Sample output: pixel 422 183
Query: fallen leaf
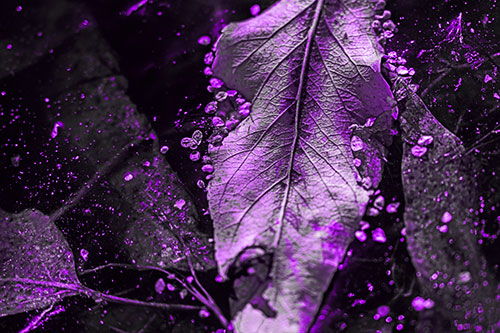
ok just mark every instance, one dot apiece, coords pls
pixel 441 195
pixel 100 124
pixel 37 266
pixel 284 179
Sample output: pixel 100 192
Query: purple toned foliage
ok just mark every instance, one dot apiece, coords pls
pixel 284 179
pixel 38 267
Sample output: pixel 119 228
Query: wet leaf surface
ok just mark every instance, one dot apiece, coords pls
pixel 284 179
pixel 37 266
pixel 440 225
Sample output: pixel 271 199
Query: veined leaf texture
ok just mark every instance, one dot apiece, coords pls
pixel 294 178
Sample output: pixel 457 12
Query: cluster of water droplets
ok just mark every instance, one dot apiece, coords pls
pixel 222 114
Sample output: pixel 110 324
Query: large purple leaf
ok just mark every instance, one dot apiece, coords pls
pixel 293 179
pixel 441 197
pixel 37 267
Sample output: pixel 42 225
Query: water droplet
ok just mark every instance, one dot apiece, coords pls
pixel 383 310
pixel 189 279
pixel 402 70
pixel 194 156
pixel 446 218
pixel 372 212
pixel 232 93
pixel 378 235
pixel 379 202
pixel 357 162
pixel 211 107
pixel 369 122
pixel 201 184
pixel 443 228
pixel 208 71
pixel 170 287
pixel 204 313
pixel 255 10
pixel 206 159
pixel 179 203
pixel 360 235
pixel 209 58
pixel 128 177
pixel 216 83
pixel 366 183
pixel 204 40
pixel 364 225
pixel 54 132
pixel 183 293
pixel 487 78
pixel 160 286
pixel 356 143
pixel 464 277
pixel 208 168
pixel 392 207
pixel 186 142
pixel 418 151
pixel 164 149
pixel 221 96
pixel 240 100
pixel 84 254
pixel 197 137
pixel 425 140
pixel 217 122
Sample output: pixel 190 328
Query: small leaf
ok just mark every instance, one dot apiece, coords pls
pixel 37 266
pixel 441 196
pixel 285 178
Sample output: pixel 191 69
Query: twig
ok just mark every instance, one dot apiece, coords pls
pixel 436 81
pixel 34 323
pixel 205 299
pixel 97 295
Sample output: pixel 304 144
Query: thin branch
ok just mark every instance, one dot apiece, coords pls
pixel 97 295
pixel 34 323
pixel 206 300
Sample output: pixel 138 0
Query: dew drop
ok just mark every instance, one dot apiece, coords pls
pixel 425 140
pixel 360 235
pixel 464 277
pixel 194 156
pixel 443 228
pixel 197 137
pixel 357 162
pixel 186 142
pixel 383 310
pixel 356 143
pixel 128 177
pixel 164 150
pixel 378 235
pixel 216 83
pixel 211 107
pixel 208 168
pixel 204 40
pixel 366 183
pixel 201 184
pixel 209 58
pixel 208 71
pixel 84 254
pixel 418 151
pixel 160 286
pixel 232 93
pixel 204 313
pixel 392 207
pixel 379 202
pixel 402 70
pixel 221 96
pixel 179 203
pixel 446 218
pixel 255 10
pixel 217 122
